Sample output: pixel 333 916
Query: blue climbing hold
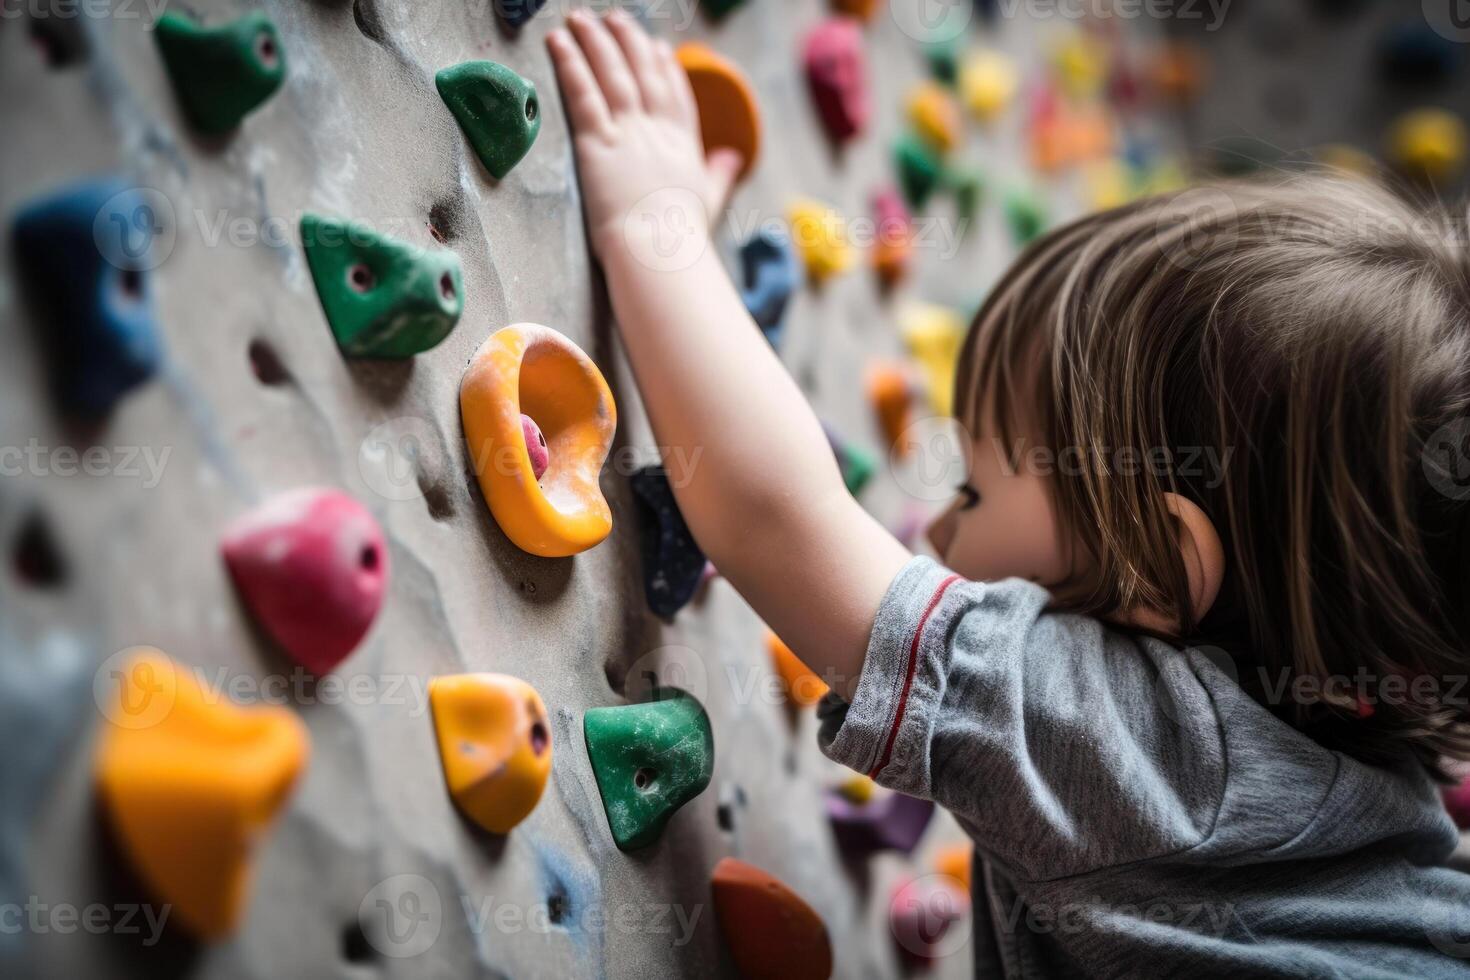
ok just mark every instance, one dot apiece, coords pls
pixel 515 13
pixel 85 253
pixel 673 565
pixel 769 277
pixel 1414 53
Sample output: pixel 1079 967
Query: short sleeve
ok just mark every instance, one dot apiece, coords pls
pixel 1062 746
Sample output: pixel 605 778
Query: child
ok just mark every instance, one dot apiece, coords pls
pixel 1140 806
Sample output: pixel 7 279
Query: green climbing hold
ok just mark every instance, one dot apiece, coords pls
pixel 968 186
pixel 221 73
pixel 919 170
pixel 719 9
pixel 383 297
pixel 649 759
pixel 944 62
pixel 496 108
pixel 1026 215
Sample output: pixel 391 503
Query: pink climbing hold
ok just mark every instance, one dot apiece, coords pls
pixel 535 446
pixel 1457 802
pixel 312 566
pixel 837 72
pixel 921 915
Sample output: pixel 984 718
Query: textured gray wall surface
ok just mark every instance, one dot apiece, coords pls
pixel 358 131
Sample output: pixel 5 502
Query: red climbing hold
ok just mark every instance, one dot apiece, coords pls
pixel 1457 802
pixel 768 929
pixel 536 446
pixel 837 71
pixel 312 566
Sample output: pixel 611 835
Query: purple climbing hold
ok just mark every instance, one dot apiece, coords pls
pixel 891 822
pixel 673 565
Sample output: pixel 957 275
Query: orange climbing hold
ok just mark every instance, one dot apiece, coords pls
pixel 935 115
pixel 892 398
pixel 531 369
pixel 956 861
pixel 801 684
pixel 863 10
pixel 769 930
pixel 190 782
pixel 495 745
pixel 729 115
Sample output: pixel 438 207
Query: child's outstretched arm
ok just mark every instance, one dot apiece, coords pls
pixel 750 465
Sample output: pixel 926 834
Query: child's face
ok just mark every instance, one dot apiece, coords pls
pixel 1002 524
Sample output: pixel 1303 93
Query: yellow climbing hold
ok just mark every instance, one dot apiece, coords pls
pixel 935 115
pixel 819 234
pixel 988 83
pixel 934 334
pixel 1429 143
pixel 190 783
pixel 495 745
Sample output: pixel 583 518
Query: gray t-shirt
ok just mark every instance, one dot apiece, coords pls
pixel 1135 813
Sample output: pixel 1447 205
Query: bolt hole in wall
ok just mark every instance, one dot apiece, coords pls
pixel 356 948
pixel 59 41
pixel 36 559
pixel 266 364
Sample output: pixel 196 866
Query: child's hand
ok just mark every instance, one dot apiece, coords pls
pixel 636 128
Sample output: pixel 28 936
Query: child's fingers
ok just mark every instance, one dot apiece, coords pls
pixel 676 78
pixel 585 105
pixel 638 50
pixel 607 61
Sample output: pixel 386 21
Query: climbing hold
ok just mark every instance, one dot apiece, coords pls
pixel 836 70
pixel 673 565
pixel 497 109
pixel 857 464
pixel 382 297
pixel 1429 143
pixel 800 683
pixel 934 335
pixel 536 446
pixel 1415 53
pixel 515 13
pixel 863 10
pixel 857 788
pixel 988 83
pixel 1178 71
pixel 1025 213
pixel 1457 802
pixel 729 115
pixel 1080 65
pixel 768 278
pixel 935 115
pixel 1347 159
pixel 956 860
pixel 918 170
pixel 820 236
pixel 1109 184
pixel 893 245
pixel 190 783
pixel 84 254
pixel 221 74
pixel 312 567
pixel 944 62
pixel 889 822
pixel 920 916
pixel 719 9
pixel 649 759
pixel 968 186
pixel 533 369
pixel 770 931
pixel 495 745
pixel 892 400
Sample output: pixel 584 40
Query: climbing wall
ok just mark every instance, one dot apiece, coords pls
pixel 113 515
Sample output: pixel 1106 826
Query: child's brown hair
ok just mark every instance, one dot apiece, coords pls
pixel 1310 339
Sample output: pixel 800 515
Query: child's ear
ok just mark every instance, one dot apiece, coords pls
pixel 1204 562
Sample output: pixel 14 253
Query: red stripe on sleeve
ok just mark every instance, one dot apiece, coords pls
pixel 908 680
